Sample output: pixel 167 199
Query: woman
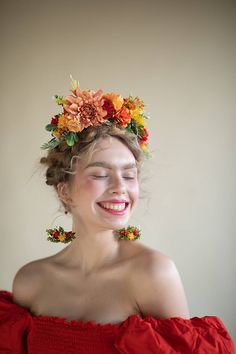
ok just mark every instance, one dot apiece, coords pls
pixel 106 292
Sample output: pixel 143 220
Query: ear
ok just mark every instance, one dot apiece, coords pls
pixel 64 193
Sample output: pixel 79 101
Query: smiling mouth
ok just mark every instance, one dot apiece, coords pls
pixel 114 207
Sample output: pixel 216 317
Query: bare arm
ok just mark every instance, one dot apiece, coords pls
pixel 158 288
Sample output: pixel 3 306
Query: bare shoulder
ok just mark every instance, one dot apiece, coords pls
pixel 151 262
pixel 27 281
pixel 149 259
pixel 157 286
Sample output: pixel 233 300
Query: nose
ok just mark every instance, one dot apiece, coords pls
pixel 117 186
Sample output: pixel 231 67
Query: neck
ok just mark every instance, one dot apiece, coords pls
pixel 93 249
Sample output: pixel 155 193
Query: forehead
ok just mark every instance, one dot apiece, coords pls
pixel 113 152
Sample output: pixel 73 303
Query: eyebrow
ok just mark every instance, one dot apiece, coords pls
pixel 110 166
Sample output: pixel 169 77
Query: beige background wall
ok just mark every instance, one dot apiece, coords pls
pixel 179 56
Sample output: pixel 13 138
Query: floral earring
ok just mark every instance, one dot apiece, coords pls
pixel 131 233
pixel 60 235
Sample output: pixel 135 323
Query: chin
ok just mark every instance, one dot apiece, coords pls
pixel 119 224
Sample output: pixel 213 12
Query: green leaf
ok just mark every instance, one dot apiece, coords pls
pixel 147 154
pixel 51 144
pixel 50 127
pixel 76 137
pixel 133 127
pixel 70 139
pixel 59 100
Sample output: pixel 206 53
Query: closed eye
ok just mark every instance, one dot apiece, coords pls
pixel 100 176
pixel 125 177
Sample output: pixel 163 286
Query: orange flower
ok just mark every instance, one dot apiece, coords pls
pixel 116 100
pixel 134 103
pixel 123 117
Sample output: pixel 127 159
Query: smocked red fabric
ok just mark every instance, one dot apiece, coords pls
pixel 21 332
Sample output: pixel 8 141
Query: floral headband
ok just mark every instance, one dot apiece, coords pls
pixel 82 109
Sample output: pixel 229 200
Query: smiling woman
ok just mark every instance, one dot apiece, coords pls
pixel 86 157
pixel 103 293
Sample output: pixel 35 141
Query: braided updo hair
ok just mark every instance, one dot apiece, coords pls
pixel 61 161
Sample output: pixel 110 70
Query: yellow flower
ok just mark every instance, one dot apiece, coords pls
pixel 131 236
pixel 62 122
pixel 116 100
pixel 57 133
pixel 144 146
pixel 138 117
pixel 62 237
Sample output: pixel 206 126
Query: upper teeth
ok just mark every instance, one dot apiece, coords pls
pixel 116 206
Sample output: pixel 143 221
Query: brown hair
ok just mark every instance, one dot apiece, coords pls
pixel 60 160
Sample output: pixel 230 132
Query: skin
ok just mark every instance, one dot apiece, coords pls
pixel 98 277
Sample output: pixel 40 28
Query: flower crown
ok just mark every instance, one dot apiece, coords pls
pixel 82 109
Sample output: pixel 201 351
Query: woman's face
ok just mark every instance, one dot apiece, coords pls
pixel 105 190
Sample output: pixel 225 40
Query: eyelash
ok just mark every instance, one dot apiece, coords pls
pixel 108 176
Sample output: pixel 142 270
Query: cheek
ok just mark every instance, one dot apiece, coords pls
pixel 135 190
pixel 85 188
pixel 89 183
pixel 92 186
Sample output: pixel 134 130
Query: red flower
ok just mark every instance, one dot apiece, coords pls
pixel 56 234
pixel 135 232
pixel 68 234
pixel 54 120
pixel 144 136
pixel 108 106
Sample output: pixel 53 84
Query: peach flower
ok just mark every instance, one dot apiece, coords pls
pixel 86 106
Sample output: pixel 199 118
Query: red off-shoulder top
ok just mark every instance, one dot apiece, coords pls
pixel 22 332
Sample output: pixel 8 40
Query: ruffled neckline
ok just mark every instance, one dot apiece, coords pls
pixel 7 296
pixel 86 324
